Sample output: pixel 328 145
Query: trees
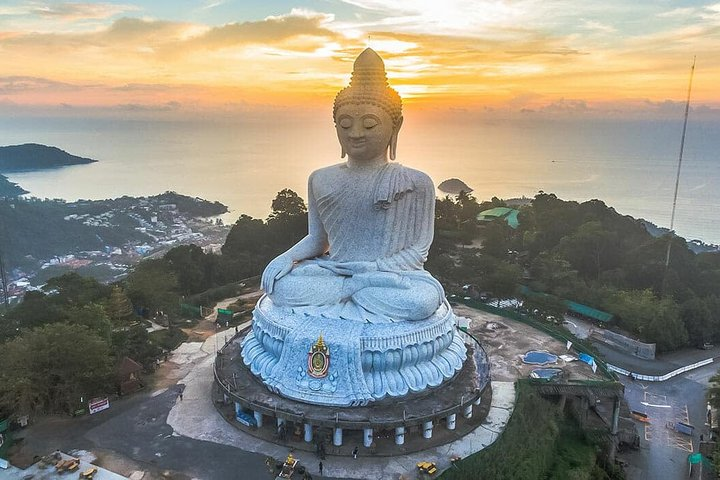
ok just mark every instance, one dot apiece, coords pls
pixel 503 281
pixel 118 306
pixel 134 342
pixel 287 204
pixel 698 321
pixel 654 319
pixel 154 286
pixel 49 369
pixel 73 288
pixel 194 270
pixel 552 273
pixel 590 249
pixel 287 223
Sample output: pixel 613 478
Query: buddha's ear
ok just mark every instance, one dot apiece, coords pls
pixel 393 139
pixel 342 151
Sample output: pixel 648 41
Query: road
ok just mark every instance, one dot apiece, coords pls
pixel 135 433
pixel 663 452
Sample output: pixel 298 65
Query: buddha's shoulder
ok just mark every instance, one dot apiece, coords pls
pixel 326 179
pixel 329 172
pixel 419 178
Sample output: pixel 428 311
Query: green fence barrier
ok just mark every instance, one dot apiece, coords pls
pixel 191 310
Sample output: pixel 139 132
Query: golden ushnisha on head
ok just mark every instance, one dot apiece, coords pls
pixel 369 85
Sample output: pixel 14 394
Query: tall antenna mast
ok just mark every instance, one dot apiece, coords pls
pixel 677 177
pixel 3 280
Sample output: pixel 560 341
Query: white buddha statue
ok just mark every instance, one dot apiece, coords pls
pixel 370 221
pixel 350 316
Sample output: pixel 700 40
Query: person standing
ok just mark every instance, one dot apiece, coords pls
pixel 355 452
pixel 320 467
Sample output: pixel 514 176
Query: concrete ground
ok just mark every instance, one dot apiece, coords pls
pixel 506 340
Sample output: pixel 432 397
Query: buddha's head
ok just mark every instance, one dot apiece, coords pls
pixel 368 113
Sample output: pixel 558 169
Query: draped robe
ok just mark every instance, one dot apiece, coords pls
pixel 379 225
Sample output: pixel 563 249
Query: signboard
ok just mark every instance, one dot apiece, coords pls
pixel 98 405
pixel 463 324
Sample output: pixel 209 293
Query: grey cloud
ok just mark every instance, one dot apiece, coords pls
pixel 14 84
pixel 270 30
pixel 79 11
pixel 141 107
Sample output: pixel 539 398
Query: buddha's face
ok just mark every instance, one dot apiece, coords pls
pixel 364 131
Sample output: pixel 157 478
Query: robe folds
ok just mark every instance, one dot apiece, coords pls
pixel 379 225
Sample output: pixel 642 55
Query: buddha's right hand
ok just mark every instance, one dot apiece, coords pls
pixel 276 269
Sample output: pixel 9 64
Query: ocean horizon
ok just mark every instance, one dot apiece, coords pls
pixel 628 164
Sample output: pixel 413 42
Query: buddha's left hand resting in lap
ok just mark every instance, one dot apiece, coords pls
pixel 370 221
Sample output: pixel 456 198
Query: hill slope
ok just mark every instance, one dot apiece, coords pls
pixel 10 189
pixel 33 156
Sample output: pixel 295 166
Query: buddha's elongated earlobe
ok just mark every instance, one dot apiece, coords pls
pixel 342 152
pixel 393 139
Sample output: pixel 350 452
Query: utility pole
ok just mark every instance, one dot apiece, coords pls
pixel 3 279
pixel 677 177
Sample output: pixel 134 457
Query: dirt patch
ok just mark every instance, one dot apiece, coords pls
pixel 506 340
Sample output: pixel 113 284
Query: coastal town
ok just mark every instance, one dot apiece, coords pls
pixel 143 227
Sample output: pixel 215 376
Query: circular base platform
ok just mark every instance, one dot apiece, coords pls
pixel 460 400
pixel 359 362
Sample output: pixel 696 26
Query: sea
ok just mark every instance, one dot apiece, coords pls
pixel 243 161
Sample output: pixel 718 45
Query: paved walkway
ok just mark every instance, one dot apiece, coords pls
pixel 196 417
pixel 663 364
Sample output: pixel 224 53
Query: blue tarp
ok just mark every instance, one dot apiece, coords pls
pixel 586 358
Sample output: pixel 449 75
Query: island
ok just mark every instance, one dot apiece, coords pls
pixel 454 186
pixel 33 156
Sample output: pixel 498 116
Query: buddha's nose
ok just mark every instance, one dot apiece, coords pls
pixel 356 132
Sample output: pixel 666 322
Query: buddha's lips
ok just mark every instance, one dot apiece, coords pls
pixel 358 143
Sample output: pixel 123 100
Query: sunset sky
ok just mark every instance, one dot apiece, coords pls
pixel 175 57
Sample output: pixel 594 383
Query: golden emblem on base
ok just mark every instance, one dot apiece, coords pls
pixel 318 359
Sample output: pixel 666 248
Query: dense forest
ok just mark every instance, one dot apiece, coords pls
pixel 588 253
pixel 584 252
pixel 107 320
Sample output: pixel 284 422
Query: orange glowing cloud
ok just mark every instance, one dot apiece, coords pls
pixel 468 54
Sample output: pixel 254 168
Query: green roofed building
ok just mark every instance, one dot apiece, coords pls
pixel 509 214
pixel 589 312
pixel 574 308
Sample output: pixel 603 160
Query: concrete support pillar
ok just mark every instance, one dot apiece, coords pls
pixel 451 421
pixel 563 399
pixel 258 418
pixel 308 433
pixel 337 437
pixel 427 429
pixel 614 430
pixel 615 416
pixel 237 408
pixel 367 437
pixel 584 406
pixel 225 398
pixel 399 435
pixel 467 411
